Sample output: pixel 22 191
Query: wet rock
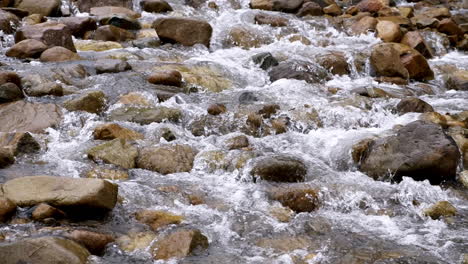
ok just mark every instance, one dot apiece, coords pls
pixel 277 5
pixel 168 135
pixel 78 26
pixel 261 4
pixel 50 33
pixel 463 178
pixel 268 110
pixel 108 174
pixel 364 25
pixel 282 214
pixel 300 38
pixel 57 54
pixel 28 48
pixel 372 92
pixel 135 241
pixel 44 211
pixel 6 157
pixel 8 22
pixel 166 159
pixel 297 199
pixel 335 62
pixel 118 152
pixel 185 31
pixel 284 244
pixel 280 168
pixel 440 209
pixel 113 33
pixel 155 6
pixel 158 219
pixel 385 59
pixel 92 102
pixel 10 77
pixel 10 92
pixel 170 77
pixel 47 249
pixel 72 194
pixel 414 40
pixel 113 131
pixel 19 142
pixel 95 242
pixel 265 60
pixel 332 10
pixel 420 150
pixel 147 115
pixel 458 80
pixel 33 117
pixel 180 244
pixel 120 21
pixel 274 21
pixel 246 38
pixel 134 98
pixel 7 208
pixel 216 109
pixel 237 142
pixel 108 10
pixel 48 88
pixel 92 45
pixel 388 31
pixel 85 5
pixel 34 19
pixel 449 27
pixel 247 98
pixel 417 66
pixel 371 6
pixel 111 66
pixel 44 7
pixel 413 104
pixel 310 9
pixel 299 70
pixel 435 118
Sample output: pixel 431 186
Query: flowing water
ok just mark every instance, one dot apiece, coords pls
pixel 360 220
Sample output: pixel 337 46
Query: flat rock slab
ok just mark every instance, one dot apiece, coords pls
pixel 28 117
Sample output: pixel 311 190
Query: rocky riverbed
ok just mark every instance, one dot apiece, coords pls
pixel 234 131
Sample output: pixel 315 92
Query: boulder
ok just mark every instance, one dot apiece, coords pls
pixel 118 152
pixel 155 6
pixel 364 25
pixel 216 109
pixel 440 209
pixel 335 62
pixel 75 194
pixel 246 38
pixel 286 6
pixel 180 244
pixel 78 26
pixel 21 116
pixel 417 66
pixel 265 60
pixel 113 131
pixel 385 60
pixel 7 208
pixel 19 142
pixel 42 250
pixel 44 211
pixel 166 159
pixel 170 77
pixel 413 104
pixel 8 22
pixel 48 88
pixel 10 92
pixel 415 40
pixel 185 31
pixel 28 48
pixel 388 31
pixel 91 101
pixel 297 199
pixel 310 9
pixel 333 10
pixel 34 19
pixel 94 45
pixel 237 142
pixel 95 242
pixel 158 219
pixel 109 10
pixel 111 66
pixel 136 241
pixel 86 5
pixel 58 54
pixel 146 115
pixel 7 157
pixel 274 21
pixel 10 77
pixel 299 70
pixel 420 150
pixel 50 33
pixel 280 168
pixel 120 21
pixel 449 27
pixel 458 80
pixel 371 6
pixel 44 7
pixel 113 33
pixel 134 98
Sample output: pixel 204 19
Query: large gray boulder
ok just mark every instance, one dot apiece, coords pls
pixel 280 168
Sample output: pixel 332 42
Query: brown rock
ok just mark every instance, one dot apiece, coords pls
pixel 185 31
pixel 406 11
pixel 158 219
pixel 394 80
pixel 48 88
pixel 91 101
pixel 458 80
pixel 280 168
pixel 413 105
pixel 237 142
pixel 86 5
pixel 180 244
pixel 134 98
pixel 109 10
pixel 449 27
pixel 10 77
pixel 167 159
pixel 216 109
pixel 171 77
pixel 8 22
pixel 360 149
pixel 95 242
pixel 440 209
pixel 57 54
pixel 28 48
pixel 417 66
pixel 310 9
pixel 364 25
pixel 10 92
pixel 113 33
pixel 34 19
pixel 297 199
pixel 274 21
pixel 19 142
pixel 372 6
pixel 33 117
pixel 414 40
pixel 118 152
pixel 246 38
pixel 113 131
pixel 44 7
pixel 335 62
pixel 79 25
pixel 7 208
pixel 50 33
pixel 155 6
pixel 332 10
pixel 108 174
pixel 385 59
pixel 44 211
pixel 268 110
pixel 6 157
pixel 388 31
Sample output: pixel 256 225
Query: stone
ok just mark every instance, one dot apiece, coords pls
pixel 284 244
pixel 58 54
pixel 34 19
pixel 155 6
pixel 113 33
pixel 166 159
pixel 274 21
pixel 22 116
pixel 237 142
pixel 299 70
pixel 44 211
pixel 8 22
pixel 280 168
pixel 86 5
pixel 49 8
pixel 19 143
pixel 180 244
pixel 147 115
pixel 91 101
pixel 94 45
pixel 78 26
pixel 310 9
pixel 440 209
pixel 7 157
pixel 45 249
pixel 388 31
pixel 118 152
pixel 10 92
pixel 463 178
pixel 7 209
pixel 262 4
pixel 185 31
pixel 420 150
pixel 406 11
pixel 364 25
pixel 134 98
pixel 417 66
pixel 268 110
pixel 108 174
pixel 28 48
pixel 108 10
pixel 265 60
pixel 246 38
pixel 76 194
pixel 50 33
pixel 413 104
pixel 113 131
pixel 332 10
pixel 385 60
pixel 282 214
pixel 169 77
pixel 335 62
pixel 136 241
pixel 458 80
pixel 449 27
pixel 111 66
pixel 297 199
pixel 95 242
pixel 414 40
pixel 120 21
pixel 158 219
pixel 372 6
pixel 10 77
pixel 48 88
pixel 216 109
